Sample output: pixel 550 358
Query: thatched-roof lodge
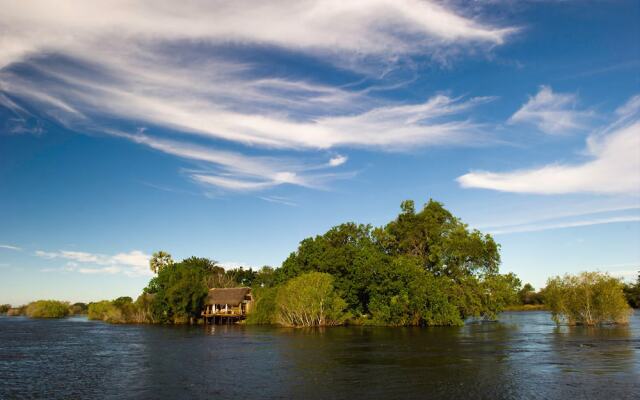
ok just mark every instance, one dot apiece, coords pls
pixel 227 305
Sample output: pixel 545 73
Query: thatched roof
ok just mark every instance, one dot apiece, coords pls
pixel 230 296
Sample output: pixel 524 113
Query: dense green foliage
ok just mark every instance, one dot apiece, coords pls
pixel 528 295
pixel 423 268
pixel 47 309
pixel 590 298
pixel 4 308
pixel 632 293
pixel 310 300
pixel 179 290
pixel 264 307
pixel 122 310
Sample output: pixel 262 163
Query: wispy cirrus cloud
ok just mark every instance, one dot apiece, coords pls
pixel 237 172
pixel 10 247
pixel 545 226
pixel 613 165
pixel 248 115
pixel 380 27
pixel 133 263
pixel 183 72
pixel 553 113
pixel 279 200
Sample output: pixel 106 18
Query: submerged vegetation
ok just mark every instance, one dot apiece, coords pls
pixel 310 300
pixel 590 298
pixel 119 311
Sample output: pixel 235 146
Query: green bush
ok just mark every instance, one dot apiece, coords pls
pixel 4 308
pixel 179 290
pixel 590 298
pixel 47 309
pixel 310 300
pixel 115 312
pixel 263 311
pixel 99 310
pixel 406 294
pixel 122 310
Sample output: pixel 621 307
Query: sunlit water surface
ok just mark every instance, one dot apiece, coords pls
pixel 524 356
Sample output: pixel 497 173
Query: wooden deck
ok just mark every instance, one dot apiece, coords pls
pixel 222 318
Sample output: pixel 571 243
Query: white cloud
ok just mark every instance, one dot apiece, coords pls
pixel 613 168
pixel 133 263
pixel 159 65
pixel 337 161
pixel 10 247
pixel 250 114
pixel 237 172
pixel 553 113
pixel 364 27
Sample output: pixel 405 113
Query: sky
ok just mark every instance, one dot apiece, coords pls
pixel 233 130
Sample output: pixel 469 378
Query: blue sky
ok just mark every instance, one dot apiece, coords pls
pixel 235 130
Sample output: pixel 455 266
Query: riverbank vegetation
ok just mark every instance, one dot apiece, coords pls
pixel 120 311
pixel 424 268
pixel 47 309
pixel 590 298
pixel 632 292
pixel 310 300
pixel 44 309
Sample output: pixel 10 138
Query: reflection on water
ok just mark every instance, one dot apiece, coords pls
pixel 523 356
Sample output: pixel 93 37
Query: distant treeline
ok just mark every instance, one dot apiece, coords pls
pixel 424 268
pixel 45 309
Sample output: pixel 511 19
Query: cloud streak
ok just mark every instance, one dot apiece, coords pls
pixel 562 225
pixel 187 71
pixel 10 247
pixel 552 113
pixel 613 166
pixel 375 27
pixel 133 263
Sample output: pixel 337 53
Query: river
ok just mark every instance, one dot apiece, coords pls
pixel 524 356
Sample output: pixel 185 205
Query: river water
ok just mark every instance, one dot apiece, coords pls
pixel 524 356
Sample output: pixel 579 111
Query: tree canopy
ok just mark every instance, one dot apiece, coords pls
pixel 590 298
pixel 423 268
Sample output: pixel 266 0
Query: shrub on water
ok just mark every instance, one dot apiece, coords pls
pixel 310 300
pixel 264 308
pixel 47 309
pixel 590 298
pixel 106 311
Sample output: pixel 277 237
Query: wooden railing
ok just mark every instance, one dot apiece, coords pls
pixel 221 313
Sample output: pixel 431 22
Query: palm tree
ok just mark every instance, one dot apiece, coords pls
pixel 159 260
